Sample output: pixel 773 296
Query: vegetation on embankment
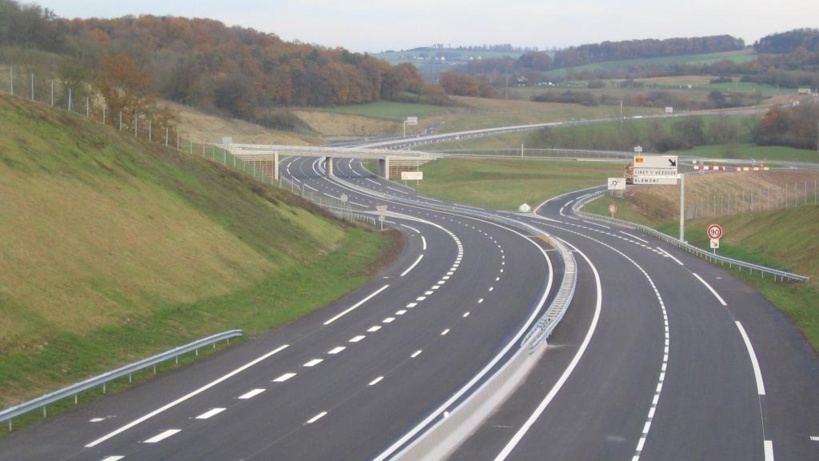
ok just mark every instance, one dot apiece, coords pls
pixel 763 222
pixel 113 250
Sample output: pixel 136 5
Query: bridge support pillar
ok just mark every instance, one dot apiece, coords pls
pixel 384 167
pixel 328 166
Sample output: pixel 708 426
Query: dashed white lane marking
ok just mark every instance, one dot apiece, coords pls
pixel 356 339
pixel 211 413
pixel 284 377
pixel 251 394
pixel 373 328
pixel 668 255
pixel 769 453
pixel 164 435
pixel 711 289
pixel 423 243
pixel 480 301
pixel 445 332
pixel 355 306
pixel 428 293
pixel 113 458
pixel 635 237
pixel 760 385
pixel 337 349
pixel 185 397
pixel 411 305
pixel 317 417
pixel 416 354
pixel 375 381
pixel 420 298
pixel 389 320
pixel 815 439
pixel 400 312
pixel 466 314
pixel 313 363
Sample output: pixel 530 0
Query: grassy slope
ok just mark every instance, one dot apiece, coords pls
pixel 112 250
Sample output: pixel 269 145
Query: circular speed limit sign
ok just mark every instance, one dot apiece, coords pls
pixel 612 208
pixel 715 231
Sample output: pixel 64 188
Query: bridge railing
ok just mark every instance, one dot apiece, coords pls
pixel 777 274
pixel 102 380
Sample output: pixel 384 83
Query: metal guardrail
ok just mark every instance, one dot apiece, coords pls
pixel 72 391
pixel 776 273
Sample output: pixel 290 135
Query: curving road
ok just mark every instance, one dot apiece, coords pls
pixel 660 357
pixel 345 382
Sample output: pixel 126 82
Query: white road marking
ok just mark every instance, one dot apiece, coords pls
pixel 420 298
pixel 507 450
pixel 163 436
pixel 251 394
pixel 815 439
pixel 284 377
pixel 356 339
pixel 375 381
pixel 428 293
pixel 760 385
pixel 113 458
pixel 336 350
pixel 211 413
pixel 769 454
pixel 400 312
pixel 714 292
pixel 634 237
pixel 313 363
pixel 444 333
pixel 416 353
pixel 184 398
pixel 356 305
pixel 424 243
pixel 412 229
pixel 411 305
pixel 466 314
pixel 317 417
pixel 668 255
pixel 412 266
pixel 96 420
pixel 389 320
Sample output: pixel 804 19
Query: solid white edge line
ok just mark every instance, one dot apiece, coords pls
pixel 760 385
pixel 412 266
pixel 356 305
pixel 713 291
pixel 569 370
pixel 113 458
pixel 634 237
pixel 424 242
pixel 411 228
pixel 185 397
pixel 670 256
pixel 317 417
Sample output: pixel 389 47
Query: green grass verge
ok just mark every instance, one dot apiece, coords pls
pixel 506 184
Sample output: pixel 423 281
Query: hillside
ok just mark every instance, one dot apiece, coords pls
pixel 114 249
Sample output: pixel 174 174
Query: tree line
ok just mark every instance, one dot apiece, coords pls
pixel 235 71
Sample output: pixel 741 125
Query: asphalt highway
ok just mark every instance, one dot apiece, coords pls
pixel 345 382
pixel 673 359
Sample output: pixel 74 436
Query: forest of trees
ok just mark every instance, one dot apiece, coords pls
pixel 203 63
pixel 788 42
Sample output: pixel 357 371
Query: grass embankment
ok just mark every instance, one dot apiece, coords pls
pixel 113 250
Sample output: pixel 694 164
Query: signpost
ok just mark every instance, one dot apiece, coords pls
pixel 714 232
pixel 382 211
pixel 617 184
pixel 660 170
pixel 612 209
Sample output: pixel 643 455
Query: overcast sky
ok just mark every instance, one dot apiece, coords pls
pixel 380 25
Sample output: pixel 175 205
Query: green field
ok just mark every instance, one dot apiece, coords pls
pixel 506 184
pixel 114 250
pixel 388 110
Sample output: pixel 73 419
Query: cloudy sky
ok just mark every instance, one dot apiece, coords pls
pixel 380 25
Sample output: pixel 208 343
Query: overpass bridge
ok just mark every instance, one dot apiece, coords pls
pixel 390 162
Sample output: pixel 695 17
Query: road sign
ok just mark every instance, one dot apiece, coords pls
pixel 655 180
pixel 655 161
pixel 715 231
pixel 714 243
pixel 612 208
pixel 617 184
pixel 411 121
pixel 651 172
pixel 412 175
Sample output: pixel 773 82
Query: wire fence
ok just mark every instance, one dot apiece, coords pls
pixel 80 99
pixel 783 194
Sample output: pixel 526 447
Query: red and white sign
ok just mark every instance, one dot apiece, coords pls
pixel 715 231
pixel 612 208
